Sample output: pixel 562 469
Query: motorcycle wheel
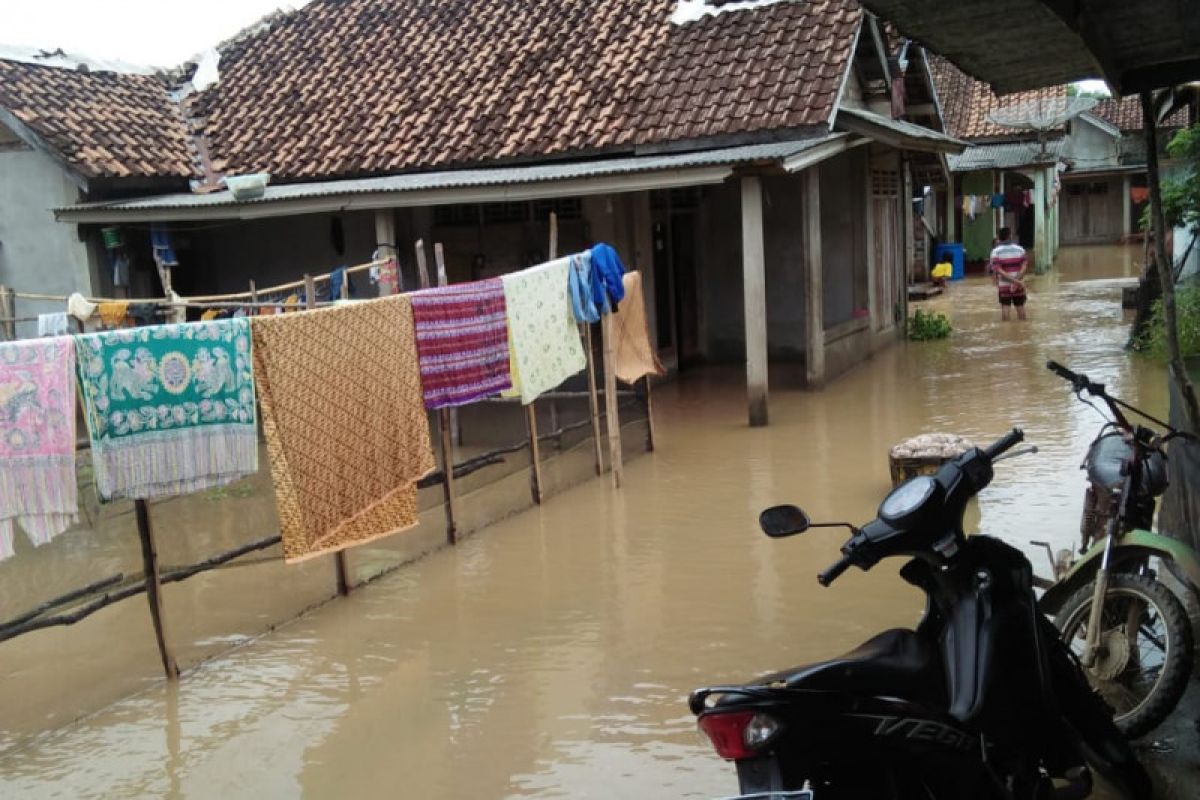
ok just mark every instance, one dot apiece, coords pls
pixel 1142 676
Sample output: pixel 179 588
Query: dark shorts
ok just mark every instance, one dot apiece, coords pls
pixel 1017 300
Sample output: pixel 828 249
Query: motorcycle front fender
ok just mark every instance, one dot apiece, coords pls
pixel 1136 545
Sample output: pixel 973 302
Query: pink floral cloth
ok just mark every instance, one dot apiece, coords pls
pixel 37 439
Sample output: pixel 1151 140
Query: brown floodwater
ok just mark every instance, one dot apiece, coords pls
pixel 550 654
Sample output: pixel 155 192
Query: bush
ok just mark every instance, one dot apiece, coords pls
pixel 923 327
pixel 1153 340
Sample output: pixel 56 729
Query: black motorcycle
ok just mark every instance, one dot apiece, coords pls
pixel 982 700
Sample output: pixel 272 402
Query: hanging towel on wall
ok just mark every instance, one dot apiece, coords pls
pixel 606 264
pixel 54 324
pixel 37 440
pixel 1138 194
pixel 583 290
pixel 170 408
pixel 160 243
pixel 462 342
pixel 634 354
pixel 541 328
pixel 346 430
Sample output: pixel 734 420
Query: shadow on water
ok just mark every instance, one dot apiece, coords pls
pixel 550 656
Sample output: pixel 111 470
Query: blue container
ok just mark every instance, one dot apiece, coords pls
pixel 953 252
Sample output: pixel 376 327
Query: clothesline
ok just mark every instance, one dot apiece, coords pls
pixel 167 301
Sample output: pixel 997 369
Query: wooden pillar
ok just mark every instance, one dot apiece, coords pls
pixel 154 588
pixel 339 558
pixel 385 239
pixel 593 397
pixel 814 291
pixel 754 294
pixel 611 402
pixel 1126 207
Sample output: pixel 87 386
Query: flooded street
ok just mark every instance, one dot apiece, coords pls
pixel 550 655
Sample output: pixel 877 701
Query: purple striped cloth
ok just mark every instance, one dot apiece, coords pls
pixel 462 342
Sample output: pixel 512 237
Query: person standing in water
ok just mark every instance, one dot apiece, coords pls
pixel 1009 265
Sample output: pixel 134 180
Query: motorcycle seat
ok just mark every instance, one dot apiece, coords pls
pixel 897 662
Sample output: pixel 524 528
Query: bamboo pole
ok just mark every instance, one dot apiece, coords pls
pixel 593 398
pixel 422 265
pixel 339 558
pixel 154 588
pixel 8 310
pixel 444 424
pixel 649 417
pixel 531 426
pixel 612 415
pixel 439 257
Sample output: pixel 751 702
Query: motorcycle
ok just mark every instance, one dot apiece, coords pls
pixel 1130 631
pixel 981 700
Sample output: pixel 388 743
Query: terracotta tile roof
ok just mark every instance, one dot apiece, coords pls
pixel 104 124
pixel 967 102
pixel 1126 114
pixel 360 87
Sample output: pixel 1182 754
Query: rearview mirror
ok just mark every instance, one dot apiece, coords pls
pixel 780 521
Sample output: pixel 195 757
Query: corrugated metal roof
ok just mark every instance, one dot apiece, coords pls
pixel 449 181
pixel 938 141
pixel 1005 155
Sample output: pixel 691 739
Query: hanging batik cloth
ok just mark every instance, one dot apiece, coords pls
pixel 170 408
pixel 634 354
pixel 462 342
pixel 37 440
pixel 541 329
pixel 346 429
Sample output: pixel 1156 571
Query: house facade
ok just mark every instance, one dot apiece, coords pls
pixel 753 161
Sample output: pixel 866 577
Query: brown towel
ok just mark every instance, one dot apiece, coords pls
pixel 344 421
pixel 635 355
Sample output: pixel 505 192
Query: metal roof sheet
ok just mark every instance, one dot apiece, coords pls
pixel 1005 155
pixel 450 185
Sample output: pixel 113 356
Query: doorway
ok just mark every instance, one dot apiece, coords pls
pixel 676 290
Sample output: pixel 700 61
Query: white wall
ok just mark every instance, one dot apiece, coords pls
pixel 37 254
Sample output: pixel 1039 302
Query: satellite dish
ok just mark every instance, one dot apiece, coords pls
pixel 1042 115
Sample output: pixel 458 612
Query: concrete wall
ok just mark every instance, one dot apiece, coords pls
pixel 977 234
pixel 1091 147
pixel 845 279
pixel 38 254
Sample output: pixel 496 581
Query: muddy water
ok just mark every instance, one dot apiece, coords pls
pixel 550 655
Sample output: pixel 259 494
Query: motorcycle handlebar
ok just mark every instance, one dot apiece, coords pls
pixel 1078 381
pixel 1006 442
pixel 830 575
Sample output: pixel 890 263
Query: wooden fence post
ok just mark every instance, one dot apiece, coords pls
pixel 8 310
pixel 649 418
pixel 593 398
pixel 444 425
pixel 339 558
pixel 612 414
pixel 154 587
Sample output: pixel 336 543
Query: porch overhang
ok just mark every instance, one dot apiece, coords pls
pixel 895 132
pixel 490 185
pixel 1017 45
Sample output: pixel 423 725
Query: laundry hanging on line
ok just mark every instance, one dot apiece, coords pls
pixel 38 491
pixel 634 355
pixel 344 421
pixel 170 408
pixel 544 343
pixel 53 324
pixel 462 342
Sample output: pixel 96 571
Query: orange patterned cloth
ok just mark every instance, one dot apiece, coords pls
pixel 344 421
pixel 634 354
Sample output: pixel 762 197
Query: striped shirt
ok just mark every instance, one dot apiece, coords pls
pixel 1007 259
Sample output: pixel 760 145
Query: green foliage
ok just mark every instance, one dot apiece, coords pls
pixel 1153 340
pixel 1075 90
pixel 1181 194
pixel 924 326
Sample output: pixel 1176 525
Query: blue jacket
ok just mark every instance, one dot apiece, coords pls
pixel 607 270
pixel 583 289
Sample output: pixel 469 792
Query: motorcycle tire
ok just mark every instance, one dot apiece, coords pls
pixel 1106 674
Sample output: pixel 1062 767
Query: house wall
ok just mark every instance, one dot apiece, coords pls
pixel 1092 209
pixel 720 271
pixel 37 254
pixel 1090 147
pixel 977 234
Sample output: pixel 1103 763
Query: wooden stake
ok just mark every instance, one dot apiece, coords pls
pixel 154 588
pixel 422 265
pixel 8 310
pixel 339 558
pixel 611 412
pixel 535 474
pixel 649 418
pixel 444 421
pixel 253 292
pixel 593 398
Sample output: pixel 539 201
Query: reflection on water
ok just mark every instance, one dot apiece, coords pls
pixel 550 656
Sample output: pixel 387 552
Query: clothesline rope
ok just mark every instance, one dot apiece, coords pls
pixel 167 301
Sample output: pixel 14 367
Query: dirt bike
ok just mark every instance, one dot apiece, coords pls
pixel 981 700
pixel 1136 642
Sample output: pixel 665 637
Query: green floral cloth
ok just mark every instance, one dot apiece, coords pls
pixel 170 408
